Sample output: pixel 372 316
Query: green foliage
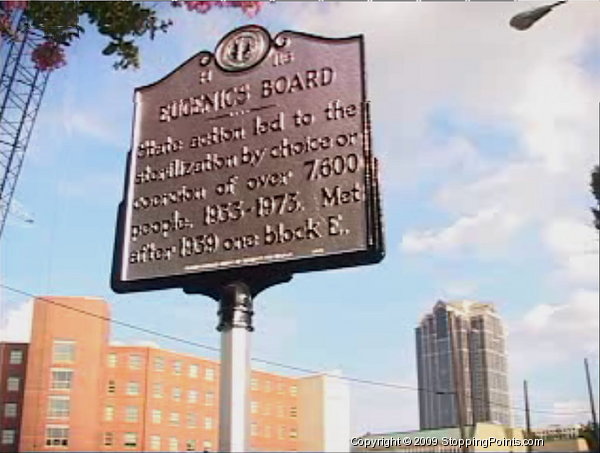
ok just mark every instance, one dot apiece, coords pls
pixel 588 433
pixel 121 21
pixel 61 22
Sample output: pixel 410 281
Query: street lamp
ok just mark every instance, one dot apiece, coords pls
pixel 523 21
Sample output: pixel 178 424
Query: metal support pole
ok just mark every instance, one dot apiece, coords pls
pixel 591 395
pixel 527 421
pixel 235 325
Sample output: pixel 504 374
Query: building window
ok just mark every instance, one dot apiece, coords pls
pixel 192 420
pixel 58 406
pixel 254 407
pixel 131 414
pixel 267 409
pixel 10 410
pixel 192 396
pixel 63 351
pixel 16 357
pixel 61 379
pixel 109 439
pixel 209 374
pixel 207 445
pixel 190 445
pixel 268 431
pixel 155 443
pixel 111 360
pixel 293 412
pixel 293 433
pixel 156 416
pixel 133 388
pixel 109 413
pixel 254 429
pixel 157 390
pixel 209 399
pixel 173 444
pixel 130 439
pixel 8 436
pixel 159 364
pixel 176 394
pixel 194 371
pixel 112 387
pixel 12 384
pixel 57 436
pixel 135 361
pixel 253 384
pixel 208 423
pixel 174 419
pixel 280 410
pixel 282 432
pixel 293 390
pixel 280 388
pixel 177 366
pixel 267 386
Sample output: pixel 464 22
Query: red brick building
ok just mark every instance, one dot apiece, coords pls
pixel 69 390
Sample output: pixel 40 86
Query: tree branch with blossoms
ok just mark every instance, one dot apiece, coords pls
pixel 123 22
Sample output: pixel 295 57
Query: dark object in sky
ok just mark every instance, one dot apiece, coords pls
pixel 523 21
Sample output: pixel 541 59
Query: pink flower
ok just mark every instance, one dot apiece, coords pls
pixel 4 26
pixel 48 56
pixel 251 9
pixel 200 7
pixel 10 5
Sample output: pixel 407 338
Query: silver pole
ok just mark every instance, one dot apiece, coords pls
pixel 235 325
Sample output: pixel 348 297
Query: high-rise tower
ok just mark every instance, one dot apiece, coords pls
pixel 470 336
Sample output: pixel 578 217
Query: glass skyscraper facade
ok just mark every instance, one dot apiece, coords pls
pixel 471 337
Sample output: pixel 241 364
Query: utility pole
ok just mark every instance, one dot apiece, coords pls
pixel 527 421
pixel 591 395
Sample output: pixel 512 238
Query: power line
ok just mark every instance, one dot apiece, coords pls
pixel 271 362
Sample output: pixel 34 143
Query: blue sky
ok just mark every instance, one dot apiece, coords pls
pixel 486 138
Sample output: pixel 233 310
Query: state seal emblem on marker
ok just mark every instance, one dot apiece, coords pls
pixel 242 48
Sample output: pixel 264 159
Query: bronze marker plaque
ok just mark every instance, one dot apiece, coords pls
pixel 255 157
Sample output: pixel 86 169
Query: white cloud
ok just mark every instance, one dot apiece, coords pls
pixel 488 228
pixel 557 332
pixel 423 57
pixel 90 124
pixel 16 323
pixel 459 289
pixel 575 247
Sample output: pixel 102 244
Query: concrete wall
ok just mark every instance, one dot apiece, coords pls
pixel 311 433
pixel 324 406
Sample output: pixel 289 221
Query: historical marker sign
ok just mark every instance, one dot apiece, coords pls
pixel 257 157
